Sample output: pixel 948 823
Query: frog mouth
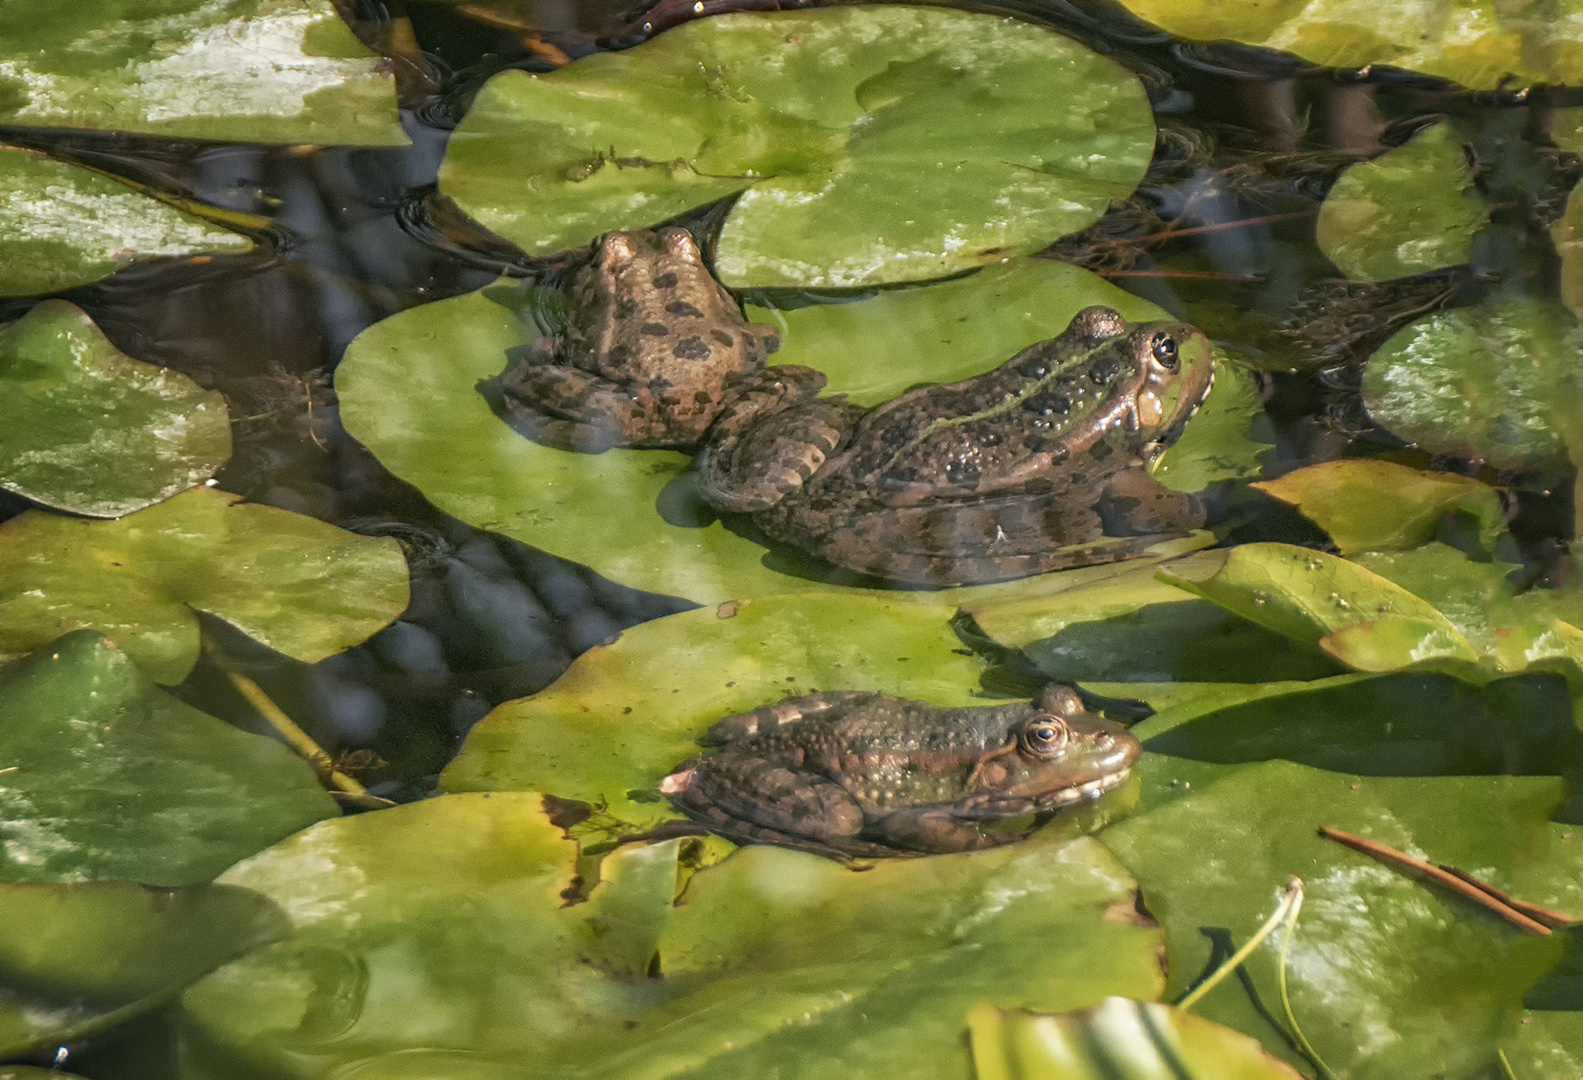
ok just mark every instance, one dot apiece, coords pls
pixel 1084 792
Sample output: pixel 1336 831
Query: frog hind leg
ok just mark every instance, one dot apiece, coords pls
pixel 1136 504
pixel 572 409
pixel 762 463
pixel 760 800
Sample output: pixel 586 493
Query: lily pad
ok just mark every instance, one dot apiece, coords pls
pixel 228 70
pixel 1411 210
pixel 1478 43
pixel 1502 382
pixel 86 428
pixel 77 959
pixel 612 727
pixel 107 777
pixel 407 392
pixel 1387 976
pixel 434 940
pixel 1381 506
pixel 63 226
pixel 869 143
pixel 1117 1037
pixel 295 584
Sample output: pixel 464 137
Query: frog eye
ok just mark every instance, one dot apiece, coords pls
pixel 1163 348
pixel 1045 736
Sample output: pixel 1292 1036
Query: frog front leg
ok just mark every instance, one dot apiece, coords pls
pixel 1136 504
pixel 940 829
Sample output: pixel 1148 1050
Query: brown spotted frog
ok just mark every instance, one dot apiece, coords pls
pixel 857 774
pixel 1037 465
pixel 653 350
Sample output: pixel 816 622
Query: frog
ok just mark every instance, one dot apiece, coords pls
pixel 1039 464
pixel 654 349
pixel 862 774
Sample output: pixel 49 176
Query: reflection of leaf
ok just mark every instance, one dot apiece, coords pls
pixel 407 391
pixel 773 963
pixel 1388 977
pixel 1380 506
pixel 858 136
pixel 610 728
pixel 1411 210
pixel 1501 381
pixel 62 226
pixel 230 70
pixel 298 585
pixel 78 958
pixel 85 428
pixel 109 777
pixel 1117 1037
pixel 1478 43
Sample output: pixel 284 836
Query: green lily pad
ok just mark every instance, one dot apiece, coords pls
pixel 1381 506
pixel 856 135
pixel 106 777
pixel 407 392
pixel 232 70
pixel 1387 976
pixel 434 940
pixel 1411 210
pixel 1501 381
pixel 86 428
pixel 1226 440
pixel 62 226
pixel 1117 1037
pixel 1478 43
pixel 296 584
pixel 77 959
pixel 613 726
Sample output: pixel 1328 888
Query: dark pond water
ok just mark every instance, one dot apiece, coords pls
pixel 1249 145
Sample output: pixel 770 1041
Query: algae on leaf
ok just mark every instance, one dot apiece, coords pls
pixel 86 428
pixel 109 777
pixel 293 583
pixel 869 143
pixel 1411 210
pixel 63 226
pixel 268 71
pixel 455 911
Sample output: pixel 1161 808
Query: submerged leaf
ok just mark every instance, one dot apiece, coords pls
pixel 1411 210
pixel 1381 506
pixel 229 70
pixel 870 143
pixel 86 428
pixel 774 962
pixel 296 584
pixel 77 959
pixel 63 226
pixel 108 777
pixel 1502 382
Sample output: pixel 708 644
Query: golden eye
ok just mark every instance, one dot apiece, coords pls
pixel 1163 348
pixel 1045 736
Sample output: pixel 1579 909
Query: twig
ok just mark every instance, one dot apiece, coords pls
pixel 1556 920
pixel 1479 893
pixel 1292 895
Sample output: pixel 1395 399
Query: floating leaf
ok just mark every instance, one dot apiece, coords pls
pixel 1502 382
pixel 856 135
pixel 1411 210
pixel 1117 1037
pixel 614 725
pixel 1380 506
pixel 77 959
pixel 296 584
pixel 85 428
pixel 1387 976
pixel 1478 43
pixel 434 940
pixel 407 392
pixel 1226 440
pixel 229 70
pixel 63 226
pixel 105 776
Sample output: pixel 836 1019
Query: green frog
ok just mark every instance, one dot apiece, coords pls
pixel 854 774
pixel 1037 465
pixel 654 349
